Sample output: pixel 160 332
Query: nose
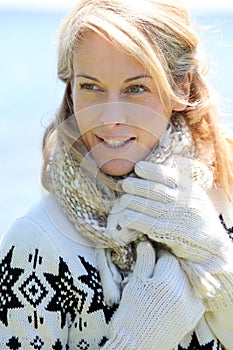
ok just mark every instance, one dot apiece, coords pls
pixel 112 114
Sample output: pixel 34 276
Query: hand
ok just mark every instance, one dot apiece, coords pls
pixel 171 209
pixel 158 306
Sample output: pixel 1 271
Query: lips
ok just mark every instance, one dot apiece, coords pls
pixel 115 142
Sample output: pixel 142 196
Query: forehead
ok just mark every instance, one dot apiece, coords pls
pixel 95 49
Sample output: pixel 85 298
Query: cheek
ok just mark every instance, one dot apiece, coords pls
pixel 85 131
pixel 87 116
pixel 84 118
pixel 151 124
pixel 79 109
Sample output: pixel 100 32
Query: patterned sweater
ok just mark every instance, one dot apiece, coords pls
pixel 50 291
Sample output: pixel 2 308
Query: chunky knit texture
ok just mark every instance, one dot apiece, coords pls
pixel 87 201
pixel 189 226
pixel 51 295
pixel 150 292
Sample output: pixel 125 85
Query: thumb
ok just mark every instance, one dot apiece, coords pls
pixel 145 262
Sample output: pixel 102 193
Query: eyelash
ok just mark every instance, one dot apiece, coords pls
pixel 137 86
pixel 94 87
pixel 83 86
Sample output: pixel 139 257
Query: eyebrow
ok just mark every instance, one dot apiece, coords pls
pixel 87 77
pixel 137 77
pixel 125 81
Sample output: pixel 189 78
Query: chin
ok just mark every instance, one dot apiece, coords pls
pixel 118 167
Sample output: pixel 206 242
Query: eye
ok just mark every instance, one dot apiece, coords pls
pixel 89 87
pixel 136 89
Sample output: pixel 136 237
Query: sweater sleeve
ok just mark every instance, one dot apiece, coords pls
pixel 221 323
pixel 30 315
pixel 220 320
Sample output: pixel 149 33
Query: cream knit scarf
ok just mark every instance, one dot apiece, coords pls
pixel 87 201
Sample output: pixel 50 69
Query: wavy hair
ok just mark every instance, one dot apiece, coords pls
pixel 161 35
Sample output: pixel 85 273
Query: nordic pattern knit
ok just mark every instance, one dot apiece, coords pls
pixel 50 291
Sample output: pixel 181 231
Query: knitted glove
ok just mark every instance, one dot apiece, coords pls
pixel 171 209
pixel 158 306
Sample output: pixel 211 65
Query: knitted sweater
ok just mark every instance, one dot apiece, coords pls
pixel 50 291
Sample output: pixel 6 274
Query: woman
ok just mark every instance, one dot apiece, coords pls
pixel 130 249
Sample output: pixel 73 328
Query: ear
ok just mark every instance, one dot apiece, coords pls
pixel 185 88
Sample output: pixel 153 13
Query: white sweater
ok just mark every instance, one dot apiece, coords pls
pixel 50 291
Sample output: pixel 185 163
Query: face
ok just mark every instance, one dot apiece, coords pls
pixel 116 105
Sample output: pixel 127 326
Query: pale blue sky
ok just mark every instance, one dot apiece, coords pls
pixel 219 5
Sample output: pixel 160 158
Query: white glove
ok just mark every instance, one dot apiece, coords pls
pixel 171 209
pixel 158 306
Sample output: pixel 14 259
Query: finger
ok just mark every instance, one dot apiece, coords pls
pixel 150 189
pixel 167 267
pixel 154 228
pixel 145 262
pixel 158 173
pixel 139 221
pixel 143 205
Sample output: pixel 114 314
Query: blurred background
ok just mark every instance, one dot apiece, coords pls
pixel 30 92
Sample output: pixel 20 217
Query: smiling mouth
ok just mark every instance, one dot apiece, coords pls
pixel 116 142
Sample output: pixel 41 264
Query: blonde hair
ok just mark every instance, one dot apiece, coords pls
pixel 160 35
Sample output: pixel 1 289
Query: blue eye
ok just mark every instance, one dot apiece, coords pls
pixel 88 86
pixel 136 89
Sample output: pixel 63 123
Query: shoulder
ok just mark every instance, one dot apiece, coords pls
pixel 47 218
pixel 50 285
pixel 45 228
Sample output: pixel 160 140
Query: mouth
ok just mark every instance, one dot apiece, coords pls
pixel 116 143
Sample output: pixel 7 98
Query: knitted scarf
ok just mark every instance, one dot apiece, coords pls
pixel 87 200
